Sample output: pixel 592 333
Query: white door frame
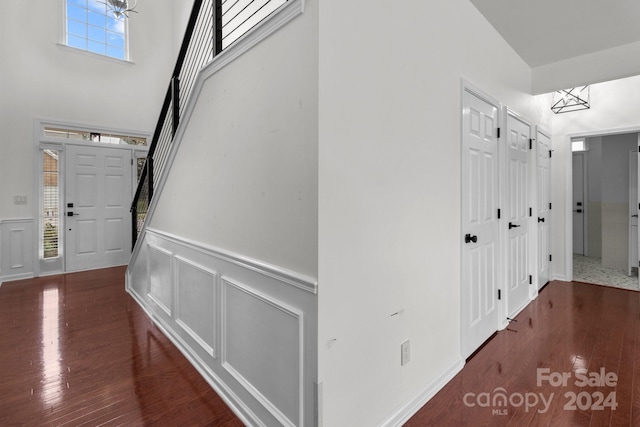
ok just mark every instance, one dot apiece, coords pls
pixel 584 198
pixel 535 191
pixel 568 200
pixel 42 142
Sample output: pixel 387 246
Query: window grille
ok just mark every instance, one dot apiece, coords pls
pixel 91 27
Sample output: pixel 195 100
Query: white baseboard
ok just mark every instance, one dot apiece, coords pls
pixel 406 411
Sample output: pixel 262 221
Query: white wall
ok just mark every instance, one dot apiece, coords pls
pixel 181 13
pixel 41 79
pixel 614 107
pixel 615 199
pixel 606 65
pixel 389 197
pixel 245 176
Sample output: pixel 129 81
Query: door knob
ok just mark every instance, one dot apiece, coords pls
pixel 634 216
pixel 72 214
pixel 578 210
pixel 512 225
pixel 540 219
pixel 468 238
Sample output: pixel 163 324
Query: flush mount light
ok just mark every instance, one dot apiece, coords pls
pixel 567 100
pixel 121 8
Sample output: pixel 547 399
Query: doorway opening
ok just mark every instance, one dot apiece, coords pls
pixel 604 209
pixel 105 187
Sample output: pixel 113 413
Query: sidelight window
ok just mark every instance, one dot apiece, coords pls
pixel 50 203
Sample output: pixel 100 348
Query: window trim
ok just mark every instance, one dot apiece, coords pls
pixel 62 39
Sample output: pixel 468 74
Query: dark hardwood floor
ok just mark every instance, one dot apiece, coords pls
pixel 572 329
pixel 77 350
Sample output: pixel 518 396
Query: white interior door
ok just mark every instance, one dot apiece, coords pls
pixel 479 302
pixel 543 207
pixel 518 213
pixel 98 197
pixel 579 169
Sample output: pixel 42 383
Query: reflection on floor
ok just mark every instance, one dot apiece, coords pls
pixel 591 270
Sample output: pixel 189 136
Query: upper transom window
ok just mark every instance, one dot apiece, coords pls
pixel 94 136
pixel 92 27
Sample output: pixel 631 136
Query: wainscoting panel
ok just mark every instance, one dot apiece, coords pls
pixel 160 274
pixel 273 376
pixel 196 287
pixel 250 328
pixel 16 247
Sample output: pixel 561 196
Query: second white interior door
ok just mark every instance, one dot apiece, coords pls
pixel 518 213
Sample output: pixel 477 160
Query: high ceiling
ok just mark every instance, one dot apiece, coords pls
pixel 548 31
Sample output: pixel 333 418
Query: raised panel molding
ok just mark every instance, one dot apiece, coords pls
pixel 249 328
pixel 17 249
pixel 273 374
pixel 196 303
pixel 160 278
pixel 16 246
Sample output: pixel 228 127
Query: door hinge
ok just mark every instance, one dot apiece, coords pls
pixel 499 294
pixel 530 144
pixel 498 213
pixel 550 153
pixel 530 211
pixel 549 205
pixel 131 162
pixel 530 279
pixel 498 132
pixel 550 258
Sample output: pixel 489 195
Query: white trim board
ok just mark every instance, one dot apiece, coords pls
pixel 568 191
pixel 413 405
pixel 292 278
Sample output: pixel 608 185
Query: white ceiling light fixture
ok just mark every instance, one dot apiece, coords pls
pixel 574 99
pixel 121 8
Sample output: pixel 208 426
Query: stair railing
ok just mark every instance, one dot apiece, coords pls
pixel 203 40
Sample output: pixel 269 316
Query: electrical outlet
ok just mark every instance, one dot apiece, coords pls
pixel 405 353
pixel 19 200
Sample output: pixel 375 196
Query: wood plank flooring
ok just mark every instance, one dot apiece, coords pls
pixel 76 350
pixel 572 329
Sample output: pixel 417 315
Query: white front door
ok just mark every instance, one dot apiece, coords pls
pixel 543 189
pixel 480 232
pixel 97 201
pixel 518 213
pixel 579 170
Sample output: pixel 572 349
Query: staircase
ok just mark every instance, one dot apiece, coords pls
pixel 213 25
